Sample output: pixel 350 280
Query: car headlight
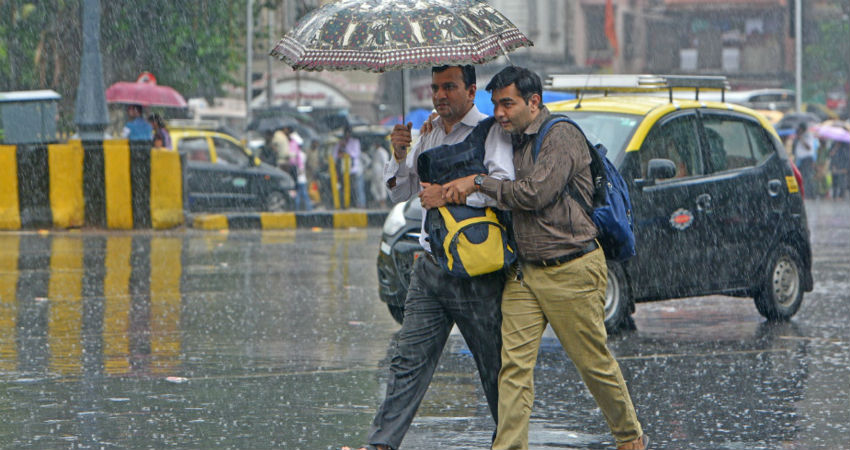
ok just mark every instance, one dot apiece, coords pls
pixel 395 220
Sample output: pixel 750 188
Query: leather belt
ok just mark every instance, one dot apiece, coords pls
pixel 566 258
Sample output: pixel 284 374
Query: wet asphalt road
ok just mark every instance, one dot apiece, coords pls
pixel 255 340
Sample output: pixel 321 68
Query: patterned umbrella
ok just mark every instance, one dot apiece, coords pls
pixel 383 35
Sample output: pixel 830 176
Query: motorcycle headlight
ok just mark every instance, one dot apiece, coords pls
pixel 395 220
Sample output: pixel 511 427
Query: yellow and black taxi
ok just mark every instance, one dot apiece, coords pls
pixel 716 202
pixel 715 199
pixel 221 174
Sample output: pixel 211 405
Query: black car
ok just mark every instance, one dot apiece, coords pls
pixel 221 174
pixel 715 199
pixel 399 249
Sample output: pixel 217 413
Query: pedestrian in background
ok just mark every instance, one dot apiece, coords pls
pixel 561 276
pixel 839 163
pixel 161 136
pixel 299 161
pixel 380 157
pixel 351 146
pixel 268 154
pixel 137 128
pixel 281 145
pixel 313 167
pixel 805 155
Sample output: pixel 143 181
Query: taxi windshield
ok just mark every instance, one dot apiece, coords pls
pixel 612 129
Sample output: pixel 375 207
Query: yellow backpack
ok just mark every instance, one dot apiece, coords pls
pixel 468 241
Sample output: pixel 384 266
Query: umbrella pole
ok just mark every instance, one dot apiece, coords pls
pixel 404 91
pixel 504 50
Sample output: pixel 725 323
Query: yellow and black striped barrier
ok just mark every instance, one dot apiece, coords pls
pixel 114 184
pixel 128 304
pixel 289 220
pixel 109 301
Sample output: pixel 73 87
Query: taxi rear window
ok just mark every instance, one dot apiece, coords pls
pixel 612 129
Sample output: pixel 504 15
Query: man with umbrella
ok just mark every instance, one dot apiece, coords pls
pixel 378 36
pixel 436 300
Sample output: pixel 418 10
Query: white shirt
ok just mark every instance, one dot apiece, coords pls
pixel 800 150
pixel 498 158
pixel 352 147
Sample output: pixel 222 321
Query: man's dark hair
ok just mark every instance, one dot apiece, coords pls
pixel 136 108
pixel 468 72
pixel 526 81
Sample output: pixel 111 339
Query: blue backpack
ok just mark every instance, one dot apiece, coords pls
pixel 611 209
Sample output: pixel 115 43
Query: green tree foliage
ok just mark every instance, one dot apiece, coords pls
pixel 40 48
pixel 192 46
pixel 827 61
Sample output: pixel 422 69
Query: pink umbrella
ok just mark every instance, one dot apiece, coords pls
pixel 144 92
pixel 832 133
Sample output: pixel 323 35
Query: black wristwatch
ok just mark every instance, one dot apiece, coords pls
pixel 478 180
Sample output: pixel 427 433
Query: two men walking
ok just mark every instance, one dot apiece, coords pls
pixel 560 278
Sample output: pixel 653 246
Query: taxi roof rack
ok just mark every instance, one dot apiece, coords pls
pixel 197 124
pixel 606 83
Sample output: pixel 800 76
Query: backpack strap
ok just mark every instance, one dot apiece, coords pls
pixel 479 134
pixel 544 129
pixel 596 169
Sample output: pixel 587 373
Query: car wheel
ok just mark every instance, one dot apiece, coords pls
pixel 276 201
pixel 616 299
pixel 781 292
pixel 397 312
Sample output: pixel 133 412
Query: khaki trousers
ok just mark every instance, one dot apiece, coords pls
pixel 570 297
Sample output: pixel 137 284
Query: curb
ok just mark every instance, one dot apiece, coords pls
pixel 288 220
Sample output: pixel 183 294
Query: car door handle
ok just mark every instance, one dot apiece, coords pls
pixel 704 203
pixel 774 187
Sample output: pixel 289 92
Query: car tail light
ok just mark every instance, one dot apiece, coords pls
pixel 798 176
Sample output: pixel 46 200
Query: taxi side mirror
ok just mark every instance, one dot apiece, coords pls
pixel 656 169
pixel 660 169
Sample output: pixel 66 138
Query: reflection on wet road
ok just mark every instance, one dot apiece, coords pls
pixel 277 340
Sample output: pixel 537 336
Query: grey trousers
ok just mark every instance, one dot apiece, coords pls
pixel 435 302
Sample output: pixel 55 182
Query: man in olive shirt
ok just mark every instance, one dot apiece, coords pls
pixel 561 276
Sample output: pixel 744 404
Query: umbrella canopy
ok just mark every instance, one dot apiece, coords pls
pixel 144 91
pixel 383 35
pixel 833 133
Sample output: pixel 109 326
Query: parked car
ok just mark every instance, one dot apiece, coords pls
pixel 399 248
pixel 221 174
pixel 716 204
